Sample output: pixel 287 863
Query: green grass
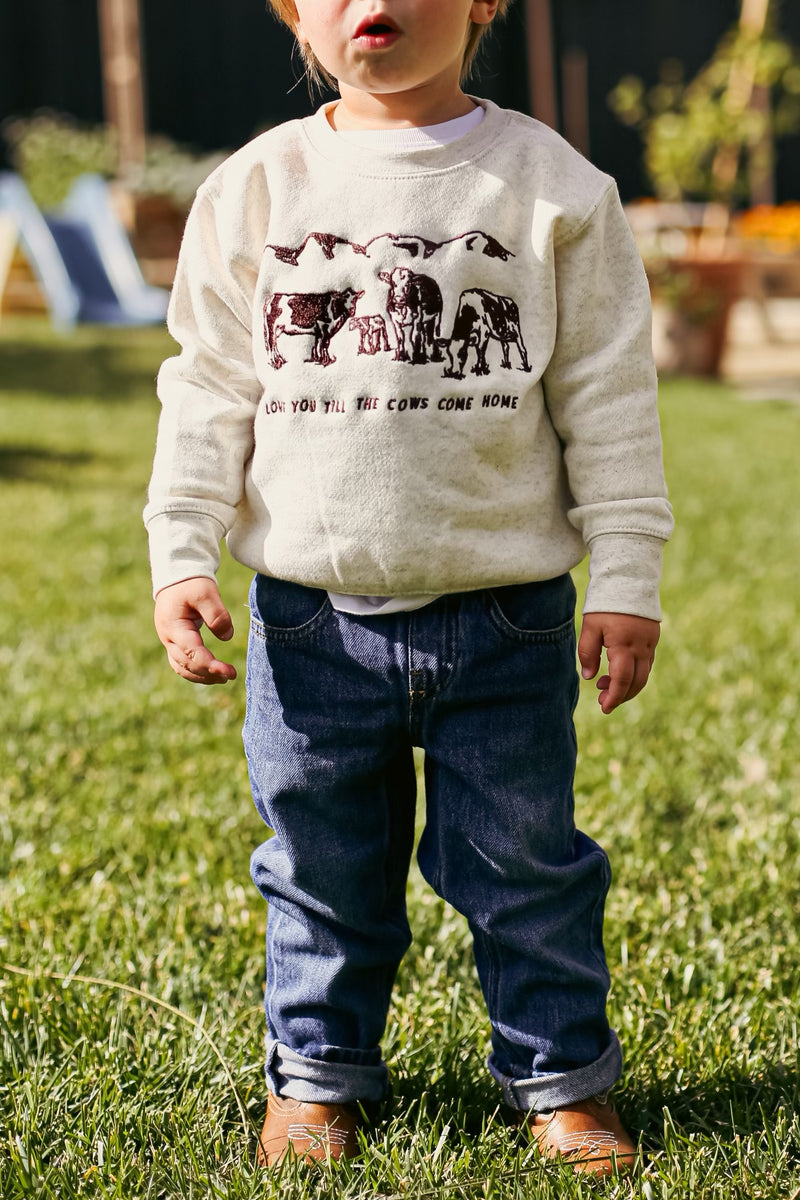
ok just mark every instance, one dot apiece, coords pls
pixel 126 828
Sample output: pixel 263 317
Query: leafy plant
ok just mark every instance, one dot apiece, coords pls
pixel 685 125
pixel 50 150
pixel 697 301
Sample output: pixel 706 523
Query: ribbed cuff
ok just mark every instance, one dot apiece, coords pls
pixel 182 545
pixel 624 574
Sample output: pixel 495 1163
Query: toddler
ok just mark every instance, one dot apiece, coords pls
pixel 415 386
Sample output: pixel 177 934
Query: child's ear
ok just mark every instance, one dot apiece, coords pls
pixel 483 11
pixel 297 26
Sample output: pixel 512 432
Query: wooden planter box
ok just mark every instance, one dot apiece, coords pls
pixel 156 234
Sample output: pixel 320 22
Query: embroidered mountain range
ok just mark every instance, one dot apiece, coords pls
pixel 414 245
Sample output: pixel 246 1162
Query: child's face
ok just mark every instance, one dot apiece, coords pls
pixel 392 49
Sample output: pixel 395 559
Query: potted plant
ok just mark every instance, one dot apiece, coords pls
pixel 704 142
pixel 51 150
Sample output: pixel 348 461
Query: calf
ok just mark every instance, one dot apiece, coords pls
pixel 372 333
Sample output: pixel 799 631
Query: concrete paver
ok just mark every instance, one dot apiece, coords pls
pixel 762 356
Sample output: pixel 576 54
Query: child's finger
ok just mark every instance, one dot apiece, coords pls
pixel 640 678
pixel 616 689
pixel 189 656
pixel 216 616
pixel 590 648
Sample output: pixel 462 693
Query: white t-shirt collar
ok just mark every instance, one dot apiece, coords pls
pixel 417 137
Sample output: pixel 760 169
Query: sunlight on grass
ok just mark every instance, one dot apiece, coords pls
pixel 126 829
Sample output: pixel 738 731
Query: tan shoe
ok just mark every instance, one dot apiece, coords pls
pixel 588 1134
pixel 313 1131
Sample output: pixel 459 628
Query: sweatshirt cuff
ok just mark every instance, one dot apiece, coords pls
pixel 624 574
pixel 183 545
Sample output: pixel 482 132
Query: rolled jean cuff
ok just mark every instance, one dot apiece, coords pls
pixel 543 1093
pixel 316 1082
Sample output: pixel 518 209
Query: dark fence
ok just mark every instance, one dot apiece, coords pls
pixel 218 71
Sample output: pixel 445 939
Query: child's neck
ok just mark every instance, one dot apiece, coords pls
pixel 404 110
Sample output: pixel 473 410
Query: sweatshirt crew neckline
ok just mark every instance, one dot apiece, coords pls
pixel 416 160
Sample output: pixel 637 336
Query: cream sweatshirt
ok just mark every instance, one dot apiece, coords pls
pixel 411 373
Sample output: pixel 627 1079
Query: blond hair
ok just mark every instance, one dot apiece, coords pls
pixel 285 11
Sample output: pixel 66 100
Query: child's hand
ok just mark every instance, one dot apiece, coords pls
pixel 181 611
pixel 630 644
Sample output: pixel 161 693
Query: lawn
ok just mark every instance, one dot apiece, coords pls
pixel 131 936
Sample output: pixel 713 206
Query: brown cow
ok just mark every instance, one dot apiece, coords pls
pixel 317 314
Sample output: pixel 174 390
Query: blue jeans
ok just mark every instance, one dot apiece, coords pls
pixel 485 682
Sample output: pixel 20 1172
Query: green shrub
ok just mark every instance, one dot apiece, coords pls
pixel 50 150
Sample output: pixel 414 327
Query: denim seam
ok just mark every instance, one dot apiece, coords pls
pixel 449 663
pixel 533 637
pixel 296 633
pixel 494 976
pixel 412 717
pixel 271 984
pixel 599 903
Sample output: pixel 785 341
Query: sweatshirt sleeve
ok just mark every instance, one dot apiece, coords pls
pixel 208 392
pixel 601 392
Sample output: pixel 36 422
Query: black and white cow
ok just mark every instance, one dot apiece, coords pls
pixel 414 308
pixel 316 314
pixel 480 318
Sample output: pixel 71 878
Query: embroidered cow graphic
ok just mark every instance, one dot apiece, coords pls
pixel 372 333
pixel 482 317
pixel 414 309
pixel 315 314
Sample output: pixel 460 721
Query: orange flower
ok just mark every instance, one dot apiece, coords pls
pixel 777 225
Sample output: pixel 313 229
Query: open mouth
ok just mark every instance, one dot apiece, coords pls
pixel 376 31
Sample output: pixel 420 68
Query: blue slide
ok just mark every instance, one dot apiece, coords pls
pixel 81 256
pixel 41 251
pixel 100 260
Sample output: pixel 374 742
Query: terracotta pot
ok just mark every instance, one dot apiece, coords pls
pixel 696 297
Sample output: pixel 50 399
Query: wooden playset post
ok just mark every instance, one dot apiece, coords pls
pixel 120 44
pixel 541 67
pixel 738 98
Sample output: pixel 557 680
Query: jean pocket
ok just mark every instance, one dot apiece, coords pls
pixel 543 611
pixel 282 611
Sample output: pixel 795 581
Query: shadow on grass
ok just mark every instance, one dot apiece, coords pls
pixel 34 463
pixel 727 1106
pixel 459 1091
pixel 113 371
